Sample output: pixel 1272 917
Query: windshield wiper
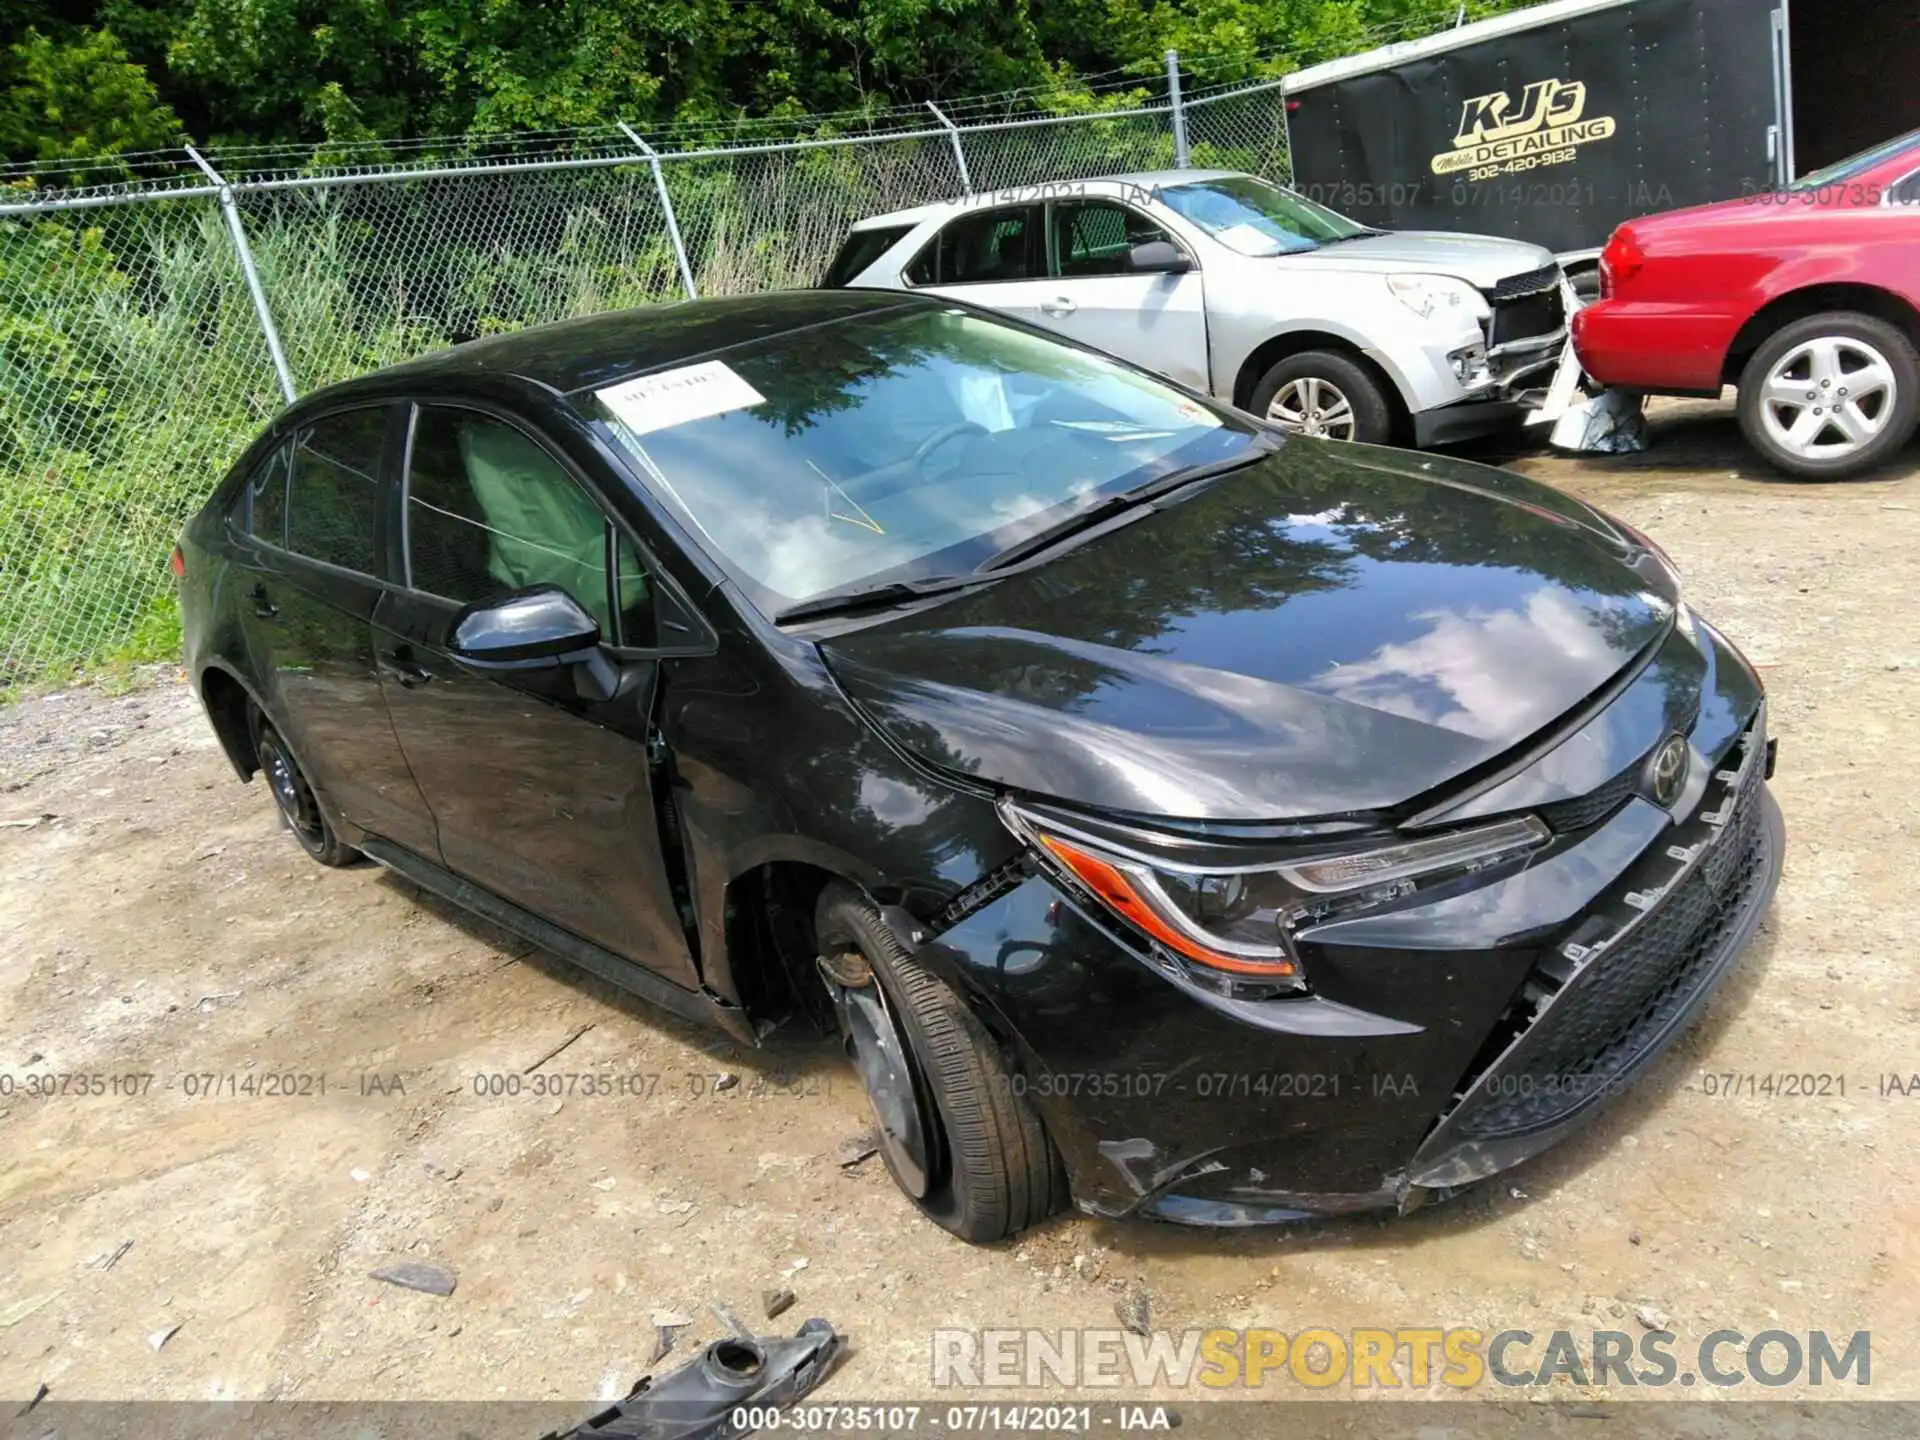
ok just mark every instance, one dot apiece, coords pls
pixel 1260 445
pixel 863 597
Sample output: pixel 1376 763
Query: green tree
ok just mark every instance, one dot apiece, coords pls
pixel 80 94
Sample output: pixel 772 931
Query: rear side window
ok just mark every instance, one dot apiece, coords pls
pixel 333 494
pixel 490 510
pixel 263 504
pixel 990 245
pixel 861 249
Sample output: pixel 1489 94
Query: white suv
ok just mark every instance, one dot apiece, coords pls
pixel 1249 292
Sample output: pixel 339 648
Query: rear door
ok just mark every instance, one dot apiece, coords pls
pixel 309 574
pixel 994 258
pixel 543 798
pixel 1094 295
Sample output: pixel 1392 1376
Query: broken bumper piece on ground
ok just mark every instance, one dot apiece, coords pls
pixel 699 1401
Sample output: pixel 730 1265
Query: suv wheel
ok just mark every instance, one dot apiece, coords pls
pixel 955 1133
pixel 1830 396
pixel 293 793
pixel 1324 393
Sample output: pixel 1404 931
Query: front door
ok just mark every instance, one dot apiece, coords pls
pixel 307 558
pixel 1093 294
pixel 542 797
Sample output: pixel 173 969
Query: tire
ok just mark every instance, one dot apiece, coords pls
pixel 991 1170
pixel 1292 387
pixel 294 796
pixel 1783 421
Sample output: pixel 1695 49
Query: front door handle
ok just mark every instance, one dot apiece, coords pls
pixel 263 605
pixel 1059 305
pixel 404 672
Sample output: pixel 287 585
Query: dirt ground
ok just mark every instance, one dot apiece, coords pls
pixel 155 922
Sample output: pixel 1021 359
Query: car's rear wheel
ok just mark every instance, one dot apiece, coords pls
pixel 294 796
pixel 1326 394
pixel 1830 396
pixel 956 1134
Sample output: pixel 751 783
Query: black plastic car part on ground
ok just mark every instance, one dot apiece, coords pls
pixel 722 1392
pixel 1189 824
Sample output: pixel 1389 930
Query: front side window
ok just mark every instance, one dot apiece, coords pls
pixel 985 246
pixel 1255 218
pixel 490 510
pixel 333 494
pixel 1096 237
pixel 913 442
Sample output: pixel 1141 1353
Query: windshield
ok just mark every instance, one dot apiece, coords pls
pixel 1844 170
pixel 1255 218
pixel 902 445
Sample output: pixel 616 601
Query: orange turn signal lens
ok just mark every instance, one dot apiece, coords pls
pixel 1113 887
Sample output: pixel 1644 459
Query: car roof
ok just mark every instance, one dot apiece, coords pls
pixel 1044 190
pixel 594 350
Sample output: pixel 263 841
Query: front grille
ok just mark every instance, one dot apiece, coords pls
pixel 1527 317
pixel 1547 277
pixel 1582 811
pixel 1600 1026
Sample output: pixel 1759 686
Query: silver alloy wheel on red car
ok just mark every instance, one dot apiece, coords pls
pixel 1828 397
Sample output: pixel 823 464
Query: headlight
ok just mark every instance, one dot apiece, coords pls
pixel 1231 927
pixel 1428 295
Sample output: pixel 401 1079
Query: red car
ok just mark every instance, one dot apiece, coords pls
pixel 1807 299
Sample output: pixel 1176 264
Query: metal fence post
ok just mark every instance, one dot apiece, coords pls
pixel 666 207
pixel 239 233
pixel 1180 154
pixel 953 138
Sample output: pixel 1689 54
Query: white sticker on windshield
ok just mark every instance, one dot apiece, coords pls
pixel 673 397
pixel 1247 239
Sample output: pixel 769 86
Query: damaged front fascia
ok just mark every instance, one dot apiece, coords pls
pixel 1138 1162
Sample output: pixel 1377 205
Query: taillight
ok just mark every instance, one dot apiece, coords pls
pixel 1620 262
pixel 177 562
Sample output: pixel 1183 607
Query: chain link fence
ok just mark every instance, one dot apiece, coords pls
pixel 136 363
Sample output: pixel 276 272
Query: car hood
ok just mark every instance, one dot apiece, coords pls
pixel 1480 260
pixel 1333 629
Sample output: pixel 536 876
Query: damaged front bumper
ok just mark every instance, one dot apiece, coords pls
pixel 1444 1041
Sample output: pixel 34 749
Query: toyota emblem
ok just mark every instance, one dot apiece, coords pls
pixel 1668 772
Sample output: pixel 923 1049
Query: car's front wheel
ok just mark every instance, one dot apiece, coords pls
pixel 1327 394
pixel 956 1133
pixel 1830 396
pixel 293 794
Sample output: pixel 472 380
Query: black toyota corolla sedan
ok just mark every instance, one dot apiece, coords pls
pixel 1165 814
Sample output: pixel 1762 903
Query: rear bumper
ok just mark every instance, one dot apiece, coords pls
pixel 1653 348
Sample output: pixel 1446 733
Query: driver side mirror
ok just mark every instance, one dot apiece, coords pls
pixel 538 629
pixel 1159 257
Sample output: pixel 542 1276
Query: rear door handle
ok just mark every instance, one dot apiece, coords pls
pixel 1059 305
pixel 404 672
pixel 263 605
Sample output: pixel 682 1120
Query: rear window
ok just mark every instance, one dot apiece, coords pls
pixel 861 249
